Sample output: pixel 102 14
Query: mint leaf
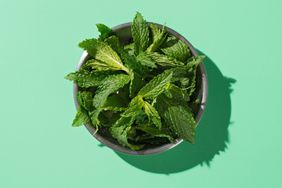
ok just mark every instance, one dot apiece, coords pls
pixel 134 108
pixel 159 37
pixel 85 99
pixel 155 132
pixel 121 134
pixel 185 71
pixel 104 30
pixel 80 118
pixel 164 60
pixel 170 41
pixel 156 86
pixel 113 42
pixel 104 54
pixel 192 68
pixel 135 72
pixel 152 114
pixel 131 62
pixel 94 116
pixel 179 51
pixel 109 57
pixel 86 79
pixel 178 116
pixel 140 34
pixel 129 48
pixel 136 84
pixel 122 126
pixel 108 118
pixel 100 65
pixel 176 92
pixel 115 103
pixel 110 85
pixel 181 120
pixel 89 45
pixel 195 61
pixel 192 87
pixel 146 60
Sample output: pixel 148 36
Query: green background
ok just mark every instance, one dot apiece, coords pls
pixel 239 140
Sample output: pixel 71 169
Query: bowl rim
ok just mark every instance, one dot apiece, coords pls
pixel 164 147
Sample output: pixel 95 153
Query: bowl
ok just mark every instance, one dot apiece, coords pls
pixel 123 31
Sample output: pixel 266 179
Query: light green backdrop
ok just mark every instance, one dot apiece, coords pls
pixel 38 46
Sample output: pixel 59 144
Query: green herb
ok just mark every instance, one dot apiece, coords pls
pixel 159 37
pixel 179 51
pixel 140 34
pixel 182 121
pixel 105 57
pixel 85 99
pixel 153 114
pixel 156 86
pixel 86 79
pixel 104 30
pixel 81 118
pixel 164 60
pixel 141 93
pixel 146 60
pixel 153 132
pixel 110 85
pixel 136 83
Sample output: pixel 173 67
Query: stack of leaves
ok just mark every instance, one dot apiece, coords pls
pixel 139 94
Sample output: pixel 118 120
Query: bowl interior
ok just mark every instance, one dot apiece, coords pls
pixel 124 34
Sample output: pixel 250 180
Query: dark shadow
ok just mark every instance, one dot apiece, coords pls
pixel 212 132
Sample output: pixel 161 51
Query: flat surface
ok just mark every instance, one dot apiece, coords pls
pixel 239 140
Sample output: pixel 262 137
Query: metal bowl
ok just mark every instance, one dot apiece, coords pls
pixel 123 31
